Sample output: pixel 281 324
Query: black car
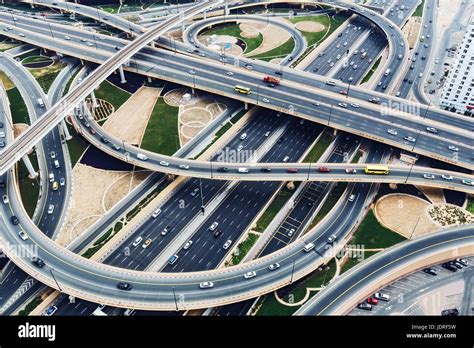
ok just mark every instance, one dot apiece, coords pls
pixel 124 286
pixel 266 170
pixel 449 267
pixel 37 262
pixel 430 271
pixel 223 169
pixel 14 220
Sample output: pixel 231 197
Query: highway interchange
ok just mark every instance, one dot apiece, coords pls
pixel 298 137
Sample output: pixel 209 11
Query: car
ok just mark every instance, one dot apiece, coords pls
pixel 223 169
pixel 23 235
pixel 292 170
pixel 392 131
pixel 410 139
pixel 274 266
pixel 351 171
pixel 446 177
pixel 324 170
pixel 355 105
pixel 382 296
pixel 430 271
pixel 172 260
pixel 450 312
pixel 37 262
pixel 125 286
pixel 166 230
pixel 187 245
pixel 342 105
pixel 164 163
pixel 146 243
pixel 428 176
pixel 432 130
pixel 453 148
pixel 266 170
pixel 5 199
pixel 50 311
pixel 227 244
pixel 206 285
pixel 14 220
pixel 331 239
pixel 372 301
pixel 351 198
pixel 467 182
pixel 365 306
pixel 230 73
pixel 290 232
pixel 50 209
pixel 62 182
pixel 218 233
pixel 52 155
pixel 156 213
pixel 213 226
pixel 137 241
pixel 195 192
pixel 250 274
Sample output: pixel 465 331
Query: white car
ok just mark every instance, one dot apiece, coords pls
pixel 250 274
pixel 164 163
pixel 392 131
pixel 227 244
pixel 5 199
pixel 187 245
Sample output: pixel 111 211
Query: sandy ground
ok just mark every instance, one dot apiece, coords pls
pixel 435 195
pixel 444 297
pixel 94 192
pixel 411 30
pixel 310 27
pixel 139 106
pixel 400 213
pixel 272 37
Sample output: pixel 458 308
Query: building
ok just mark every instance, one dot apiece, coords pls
pixel 458 89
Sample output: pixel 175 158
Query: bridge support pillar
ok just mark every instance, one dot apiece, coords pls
pixel 31 171
pixel 66 130
pixel 122 75
pixel 94 100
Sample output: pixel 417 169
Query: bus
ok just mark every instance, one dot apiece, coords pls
pixel 376 169
pixel 243 90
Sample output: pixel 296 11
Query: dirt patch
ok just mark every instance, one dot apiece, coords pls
pixel 405 214
pixel 134 113
pixel 310 27
pixel 93 190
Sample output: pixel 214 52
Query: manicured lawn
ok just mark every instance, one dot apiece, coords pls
pixel 278 52
pixel 29 189
pixel 275 206
pixel 419 10
pixel 17 107
pixel 161 135
pixel 371 234
pixel 234 30
pixel 244 247
pixel 371 71
pixel 112 94
pixel 296 292
pixel 318 149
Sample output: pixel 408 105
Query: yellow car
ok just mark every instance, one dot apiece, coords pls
pixel 55 186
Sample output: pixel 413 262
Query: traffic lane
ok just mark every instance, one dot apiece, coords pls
pixel 440 118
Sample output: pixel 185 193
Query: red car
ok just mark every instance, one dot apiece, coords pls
pixel 292 170
pixel 324 169
pixel 92 131
pixel 372 301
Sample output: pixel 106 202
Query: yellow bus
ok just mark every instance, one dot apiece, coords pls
pixel 376 169
pixel 243 90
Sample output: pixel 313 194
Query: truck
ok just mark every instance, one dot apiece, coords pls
pixel 271 80
pixel 40 102
pixel 387 72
